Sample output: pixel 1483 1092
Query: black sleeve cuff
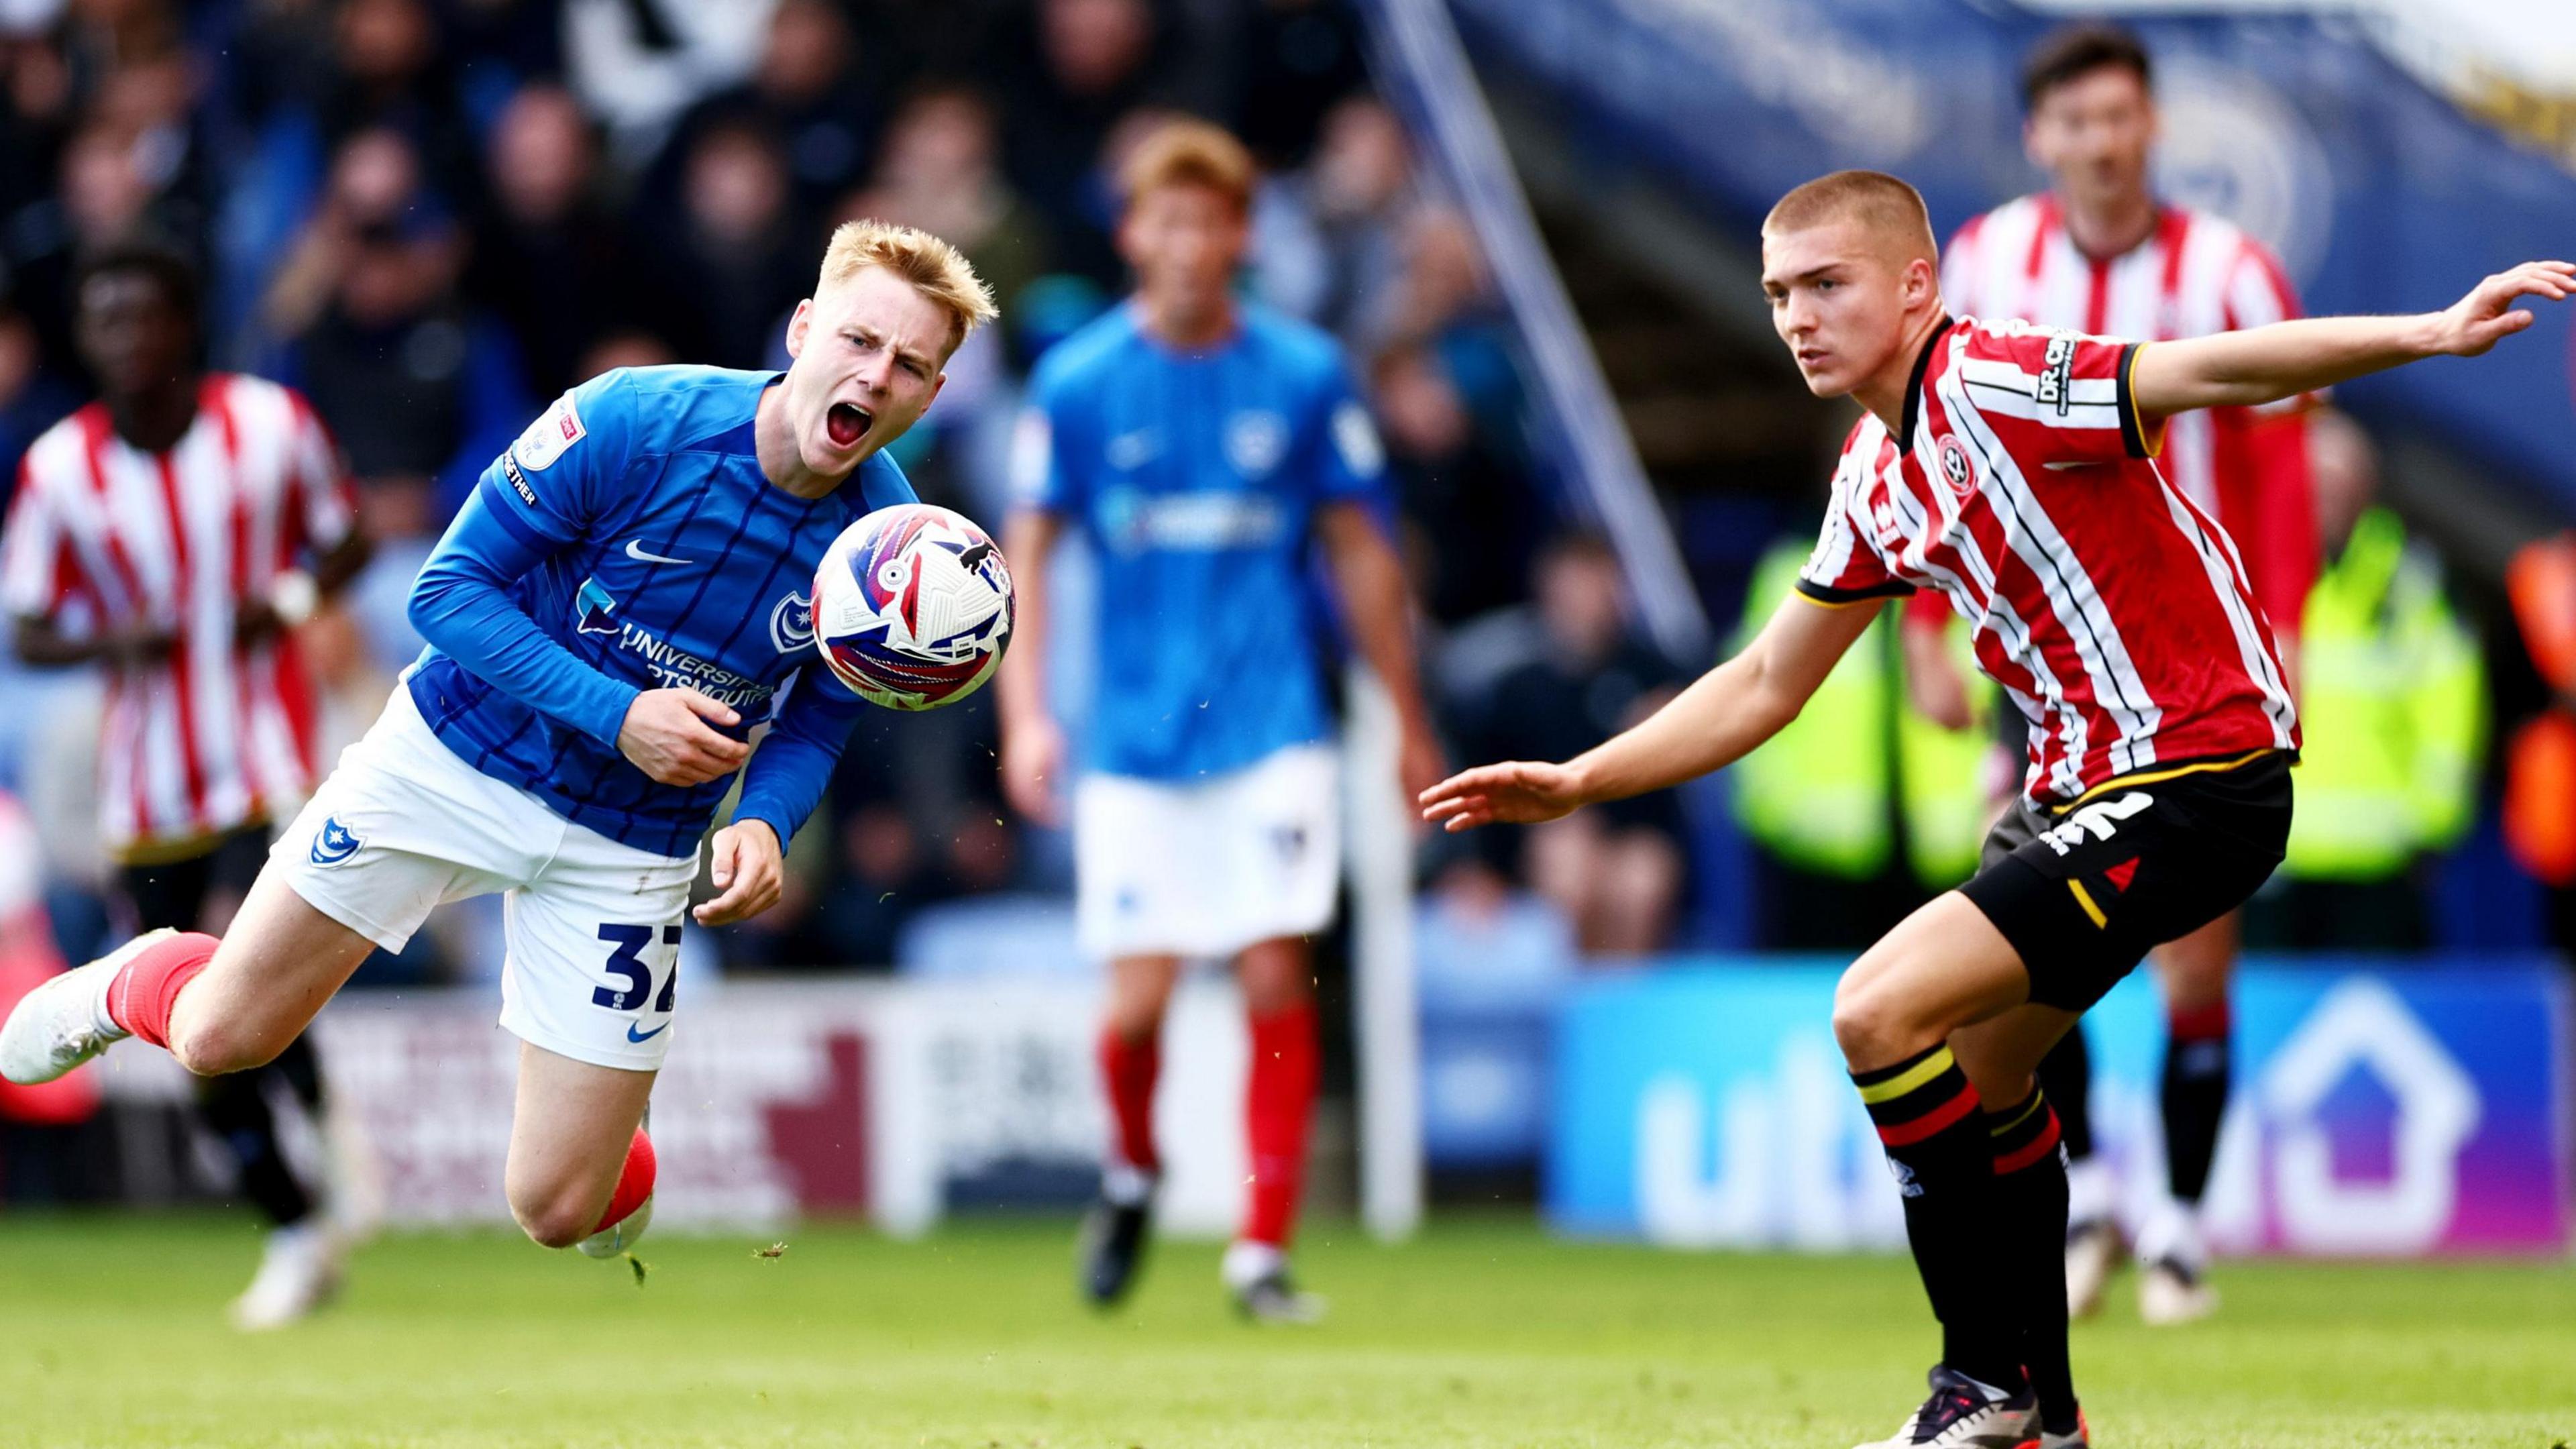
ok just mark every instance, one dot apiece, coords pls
pixel 2133 426
pixel 1827 594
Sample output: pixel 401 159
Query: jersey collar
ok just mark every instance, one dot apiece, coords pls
pixel 1914 383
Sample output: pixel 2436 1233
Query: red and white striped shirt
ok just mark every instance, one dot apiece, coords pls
pixel 104 535
pixel 2194 274
pixel 2111 607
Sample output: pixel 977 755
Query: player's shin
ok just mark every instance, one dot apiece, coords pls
pixel 1128 1071
pixel 1928 1118
pixel 2030 1195
pixel 1279 1107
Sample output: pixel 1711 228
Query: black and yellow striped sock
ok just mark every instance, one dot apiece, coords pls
pixel 2030 1207
pixel 1927 1117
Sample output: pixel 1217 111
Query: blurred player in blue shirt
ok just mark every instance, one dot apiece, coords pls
pixel 1204 448
pixel 622 601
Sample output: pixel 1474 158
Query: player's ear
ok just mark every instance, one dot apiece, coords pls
pixel 797 326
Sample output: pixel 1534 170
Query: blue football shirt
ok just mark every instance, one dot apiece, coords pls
pixel 1195 477
pixel 633 527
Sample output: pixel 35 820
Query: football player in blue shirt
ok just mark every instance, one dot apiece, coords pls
pixel 621 601
pixel 1205 448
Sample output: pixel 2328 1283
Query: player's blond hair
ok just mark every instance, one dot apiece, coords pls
pixel 929 265
pixel 1190 153
pixel 1885 207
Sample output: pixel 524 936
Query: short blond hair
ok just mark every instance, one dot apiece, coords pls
pixel 1891 211
pixel 931 266
pixel 1190 153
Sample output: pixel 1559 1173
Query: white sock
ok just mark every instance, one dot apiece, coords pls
pixel 1125 1185
pixel 2171 1234
pixel 1247 1263
pixel 2088 1191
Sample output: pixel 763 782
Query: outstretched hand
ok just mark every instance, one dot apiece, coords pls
pixel 1516 792
pixel 2487 315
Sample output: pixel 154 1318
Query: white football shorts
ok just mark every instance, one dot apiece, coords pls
pixel 592 926
pixel 1207 867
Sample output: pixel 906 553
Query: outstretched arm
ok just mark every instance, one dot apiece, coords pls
pixel 2265 364
pixel 1712 724
pixel 1380 618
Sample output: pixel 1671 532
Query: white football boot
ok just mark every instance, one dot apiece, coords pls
pixel 1963 1414
pixel 298 1273
pixel 64 1022
pixel 2174 1287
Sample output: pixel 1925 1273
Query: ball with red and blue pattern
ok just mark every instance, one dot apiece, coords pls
pixel 912 607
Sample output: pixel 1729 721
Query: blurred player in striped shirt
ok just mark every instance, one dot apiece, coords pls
pixel 176 531
pixel 2099 253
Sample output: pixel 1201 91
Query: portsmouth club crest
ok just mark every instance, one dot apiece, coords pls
pixel 791 624
pixel 334 842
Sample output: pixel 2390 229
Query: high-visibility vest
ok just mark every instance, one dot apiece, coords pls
pixel 2392 712
pixel 1816 795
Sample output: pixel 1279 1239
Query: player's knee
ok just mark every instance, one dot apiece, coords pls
pixel 214 1048
pixel 555 1218
pixel 1873 1025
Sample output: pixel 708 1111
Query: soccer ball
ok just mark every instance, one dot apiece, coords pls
pixel 912 607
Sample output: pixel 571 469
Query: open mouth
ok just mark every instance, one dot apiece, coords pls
pixel 847 423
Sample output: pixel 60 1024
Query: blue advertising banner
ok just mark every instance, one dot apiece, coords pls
pixel 2381 1112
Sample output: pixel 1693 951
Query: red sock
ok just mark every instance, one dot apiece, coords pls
pixel 140 998
pixel 1279 1106
pixel 634 1183
pixel 1127 1073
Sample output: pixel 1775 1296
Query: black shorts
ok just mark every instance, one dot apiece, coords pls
pixel 2084 891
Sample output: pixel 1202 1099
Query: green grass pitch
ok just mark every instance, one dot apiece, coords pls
pixel 1477 1334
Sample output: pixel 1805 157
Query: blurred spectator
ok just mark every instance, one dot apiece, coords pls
pixel 1479 517
pixel 420 392
pixel 547 257
pixel 1329 244
pixel 628 348
pixel 1616 870
pixel 939 169
pixel 806 92
pixel 31 398
pixel 2392 712
pixel 391 73
pixel 1094 64
pixel 725 271
pixel 1299 57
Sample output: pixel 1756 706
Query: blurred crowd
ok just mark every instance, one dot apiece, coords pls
pixel 431 216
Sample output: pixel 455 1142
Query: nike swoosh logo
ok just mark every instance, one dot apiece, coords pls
pixel 648 1036
pixel 635 550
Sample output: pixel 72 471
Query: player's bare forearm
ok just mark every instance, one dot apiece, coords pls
pixel 2266 364
pixel 334 569
pixel 1029 538
pixel 37 641
pixel 1033 748
pixel 1370 579
pixel 1721 718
